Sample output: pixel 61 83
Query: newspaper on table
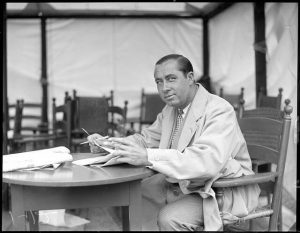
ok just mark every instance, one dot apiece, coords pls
pixel 37 159
pixel 99 161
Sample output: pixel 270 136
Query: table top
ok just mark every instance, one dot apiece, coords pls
pixel 72 175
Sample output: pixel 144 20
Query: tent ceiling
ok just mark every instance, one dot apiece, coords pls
pixel 57 9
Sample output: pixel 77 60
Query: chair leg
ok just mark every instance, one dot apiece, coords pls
pixel 251 225
pixel 279 224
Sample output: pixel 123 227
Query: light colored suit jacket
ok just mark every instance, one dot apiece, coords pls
pixel 211 145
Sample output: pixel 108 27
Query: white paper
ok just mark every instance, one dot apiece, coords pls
pixel 60 218
pixel 88 161
pixel 36 159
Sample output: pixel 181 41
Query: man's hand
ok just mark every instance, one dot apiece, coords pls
pixel 128 151
pixel 95 139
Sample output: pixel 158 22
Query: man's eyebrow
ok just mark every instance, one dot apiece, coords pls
pixel 169 75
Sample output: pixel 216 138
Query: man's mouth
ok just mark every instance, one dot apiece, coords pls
pixel 169 97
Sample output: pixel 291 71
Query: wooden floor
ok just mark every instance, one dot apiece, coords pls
pixel 101 219
pixel 109 219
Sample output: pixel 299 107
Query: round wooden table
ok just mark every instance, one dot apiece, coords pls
pixel 72 186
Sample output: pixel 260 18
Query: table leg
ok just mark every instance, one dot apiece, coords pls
pixel 135 206
pixel 125 218
pixel 33 219
pixel 17 208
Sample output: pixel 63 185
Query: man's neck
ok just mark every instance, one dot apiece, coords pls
pixel 194 90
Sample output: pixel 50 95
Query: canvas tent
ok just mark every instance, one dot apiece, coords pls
pixel 98 47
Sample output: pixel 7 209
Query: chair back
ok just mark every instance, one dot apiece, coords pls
pixel 18 119
pixel 267 140
pixel 91 114
pixel 237 101
pixel 117 119
pixel 269 101
pixel 61 120
pixel 151 105
pixel 267 112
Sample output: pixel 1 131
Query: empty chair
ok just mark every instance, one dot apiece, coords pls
pixel 117 120
pixel 269 101
pixel 32 117
pixel 151 105
pixel 61 123
pixel 21 140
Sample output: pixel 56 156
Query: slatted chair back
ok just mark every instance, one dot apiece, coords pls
pixel 267 139
pixel 269 101
pixel 237 101
pixel 117 120
pixel 151 105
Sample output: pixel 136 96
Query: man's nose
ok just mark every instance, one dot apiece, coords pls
pixel 166 86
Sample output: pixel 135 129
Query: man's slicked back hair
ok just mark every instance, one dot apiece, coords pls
pixel 183 63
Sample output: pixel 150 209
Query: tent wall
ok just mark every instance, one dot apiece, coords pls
pixel 95 56
pixel 232 64
pixel 24 60
pixel 282 61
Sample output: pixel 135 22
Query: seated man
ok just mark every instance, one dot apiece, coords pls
pixel 196 135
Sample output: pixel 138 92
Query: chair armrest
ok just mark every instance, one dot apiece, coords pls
pixel 245 180
pixel 259 162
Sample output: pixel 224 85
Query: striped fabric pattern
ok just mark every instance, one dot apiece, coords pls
pixel 178 125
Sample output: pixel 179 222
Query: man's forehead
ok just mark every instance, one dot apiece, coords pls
pixel 168 67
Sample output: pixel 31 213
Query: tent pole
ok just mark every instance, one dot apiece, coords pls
pixel 44 77
pixel 5 118
pixel 260 48
pixel 205 79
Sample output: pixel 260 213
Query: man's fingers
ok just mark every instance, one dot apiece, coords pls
pixel 124 160
pixel 122 141
pixel 121 153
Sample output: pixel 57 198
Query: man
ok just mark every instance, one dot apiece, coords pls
pixel 196 136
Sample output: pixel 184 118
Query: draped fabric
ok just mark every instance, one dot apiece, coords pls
pixel 95 56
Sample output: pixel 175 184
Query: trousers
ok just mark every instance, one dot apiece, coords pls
pixel 166 208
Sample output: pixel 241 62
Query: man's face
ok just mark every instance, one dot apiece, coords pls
pixel 172 84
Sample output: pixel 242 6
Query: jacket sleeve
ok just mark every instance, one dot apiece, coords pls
pixel 217 138
pixel 150 136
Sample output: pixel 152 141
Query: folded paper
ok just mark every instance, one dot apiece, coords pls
pixel 36 159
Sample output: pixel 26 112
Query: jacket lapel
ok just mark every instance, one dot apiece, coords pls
pixel 167 125
pixel 195 113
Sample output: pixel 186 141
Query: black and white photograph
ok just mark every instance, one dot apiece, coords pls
pixel 150 116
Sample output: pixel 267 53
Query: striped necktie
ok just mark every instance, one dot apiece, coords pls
pixel 177 126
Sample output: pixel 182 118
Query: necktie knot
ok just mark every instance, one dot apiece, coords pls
pixel 180 111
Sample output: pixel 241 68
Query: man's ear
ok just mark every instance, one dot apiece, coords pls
pixel 190 76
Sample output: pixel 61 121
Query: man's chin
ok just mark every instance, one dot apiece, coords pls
pixel 172 103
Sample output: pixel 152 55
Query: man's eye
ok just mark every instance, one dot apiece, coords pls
pixel 158 81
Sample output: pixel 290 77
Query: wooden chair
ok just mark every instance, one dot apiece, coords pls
pixel 61 123
pixel 21 140
pixel 266 139
pixel 13 145
pixel 237 101
pixel 151 105
pixel 259 165
pixel 91 114
pixel 117 120
pixel 269 101
pixel 32 120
